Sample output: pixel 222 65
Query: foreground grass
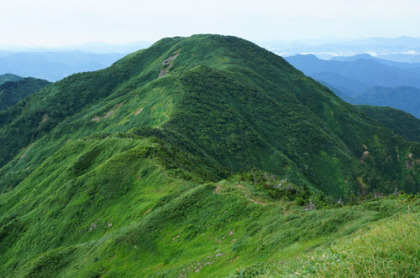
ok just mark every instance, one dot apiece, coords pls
pixel 388 248
pixel 164 226
pixel 130 206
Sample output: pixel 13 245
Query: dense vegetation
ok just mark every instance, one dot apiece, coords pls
pixel 398 121
pixel 9 77
pixel 202 156
pixel 13 91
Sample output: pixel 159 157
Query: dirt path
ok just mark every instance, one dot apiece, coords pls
pixel 27 150
pixel 241 188
pixel 254 201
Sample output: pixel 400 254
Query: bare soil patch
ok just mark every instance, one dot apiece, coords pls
pixel 138 111
pixel 167 64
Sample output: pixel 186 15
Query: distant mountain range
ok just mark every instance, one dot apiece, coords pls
pixel 401 49
pixel 55 63
pixel 364 72
pixel 91 47
pixel 54 66
pixel 364 79
pixel 403 98
pixel 402 65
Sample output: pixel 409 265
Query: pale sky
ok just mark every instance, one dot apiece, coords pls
pixel 69 22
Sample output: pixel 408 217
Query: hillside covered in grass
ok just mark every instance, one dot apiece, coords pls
pixel 199 156
pixel 398 121
pixel 13 91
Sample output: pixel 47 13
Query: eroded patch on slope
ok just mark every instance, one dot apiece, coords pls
pixel 167 64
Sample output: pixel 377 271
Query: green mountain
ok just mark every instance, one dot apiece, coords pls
pixel 13 91
pixel 398 121
pixel 9 77
pixel 195 157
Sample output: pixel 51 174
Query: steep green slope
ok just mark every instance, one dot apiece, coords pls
pixel 398 121
pixel 194 157
pixel 13 91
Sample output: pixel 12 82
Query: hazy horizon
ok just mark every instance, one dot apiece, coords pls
pixel 297 45
pixel 48 24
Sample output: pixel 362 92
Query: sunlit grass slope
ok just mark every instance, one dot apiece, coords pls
pixel 115 207
pixel 388 248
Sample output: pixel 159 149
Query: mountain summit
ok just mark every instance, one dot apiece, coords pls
pixel 242 106
pixel 113 157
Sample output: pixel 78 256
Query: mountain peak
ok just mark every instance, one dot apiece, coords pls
pixel 240 104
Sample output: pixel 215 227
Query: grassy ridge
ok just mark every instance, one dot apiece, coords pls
pixel 148 220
